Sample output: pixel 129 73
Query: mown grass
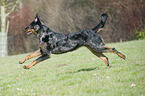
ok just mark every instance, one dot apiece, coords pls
pixel 77 73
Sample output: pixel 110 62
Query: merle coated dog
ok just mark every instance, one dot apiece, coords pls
pixel 58 43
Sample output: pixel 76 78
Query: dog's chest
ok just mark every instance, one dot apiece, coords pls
pixel 47 38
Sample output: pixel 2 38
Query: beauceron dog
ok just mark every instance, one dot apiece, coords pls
pixel 58 43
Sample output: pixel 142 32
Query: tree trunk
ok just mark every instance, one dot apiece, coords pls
pixel 3 34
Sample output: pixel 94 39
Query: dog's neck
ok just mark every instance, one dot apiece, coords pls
pixel 43 30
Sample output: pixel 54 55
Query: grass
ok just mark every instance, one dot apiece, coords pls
pixel 77 73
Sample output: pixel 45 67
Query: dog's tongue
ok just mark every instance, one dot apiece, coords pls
pixel 29 33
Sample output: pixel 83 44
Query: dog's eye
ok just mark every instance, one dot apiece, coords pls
pixel 31 27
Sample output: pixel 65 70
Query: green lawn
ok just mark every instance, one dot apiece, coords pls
pixel 78 73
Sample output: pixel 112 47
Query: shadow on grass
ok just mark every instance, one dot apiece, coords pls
pixel 81 70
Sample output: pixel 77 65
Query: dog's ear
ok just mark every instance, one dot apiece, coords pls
pixel 37 18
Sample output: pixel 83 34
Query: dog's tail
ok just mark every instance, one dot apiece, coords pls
pixel 102 23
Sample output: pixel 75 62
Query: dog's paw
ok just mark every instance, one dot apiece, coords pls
pixel 21 62
pixel 26 67
pixel 122 56
pixel 108 67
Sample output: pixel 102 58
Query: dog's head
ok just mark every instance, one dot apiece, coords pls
pixel 34 27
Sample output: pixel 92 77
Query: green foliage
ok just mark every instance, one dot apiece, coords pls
pixel 77 73
pixel 140 34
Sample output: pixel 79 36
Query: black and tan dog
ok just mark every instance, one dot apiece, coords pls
pixel 58 43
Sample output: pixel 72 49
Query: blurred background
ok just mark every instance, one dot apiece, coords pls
pixel 126 19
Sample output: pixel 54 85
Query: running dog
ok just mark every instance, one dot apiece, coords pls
pixel 58 43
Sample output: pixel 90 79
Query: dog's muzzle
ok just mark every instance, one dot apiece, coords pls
pixel 29 32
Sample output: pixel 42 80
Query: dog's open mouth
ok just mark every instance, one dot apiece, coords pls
pixel 29 33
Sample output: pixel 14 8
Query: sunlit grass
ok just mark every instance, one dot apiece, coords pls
pixel 77 73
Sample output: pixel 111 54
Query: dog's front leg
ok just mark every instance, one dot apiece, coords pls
pixel 35 54
pixel 41 58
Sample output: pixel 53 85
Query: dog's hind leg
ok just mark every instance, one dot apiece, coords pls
pixel 101 56
pixel 104 58
pixel 41 58
pixel 113 50
pixel 35 54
